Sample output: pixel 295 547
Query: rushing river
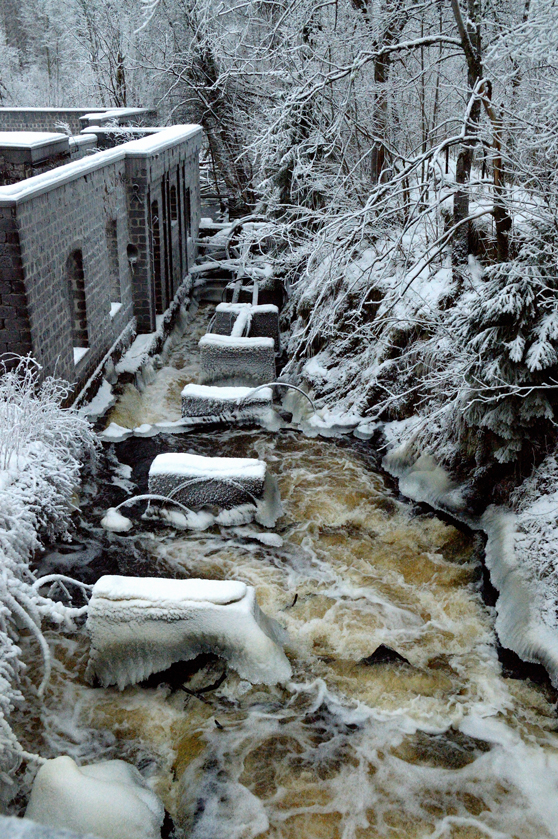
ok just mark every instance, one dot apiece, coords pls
pixel 440 745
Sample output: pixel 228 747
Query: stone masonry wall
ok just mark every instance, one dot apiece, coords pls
pixel 42 119
pixel 11 173
pixel 179 165
pixel 76 250
pixel 15 331
pixel 51 119
pixel 52 226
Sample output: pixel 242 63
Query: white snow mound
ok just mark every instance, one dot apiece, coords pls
pixel 110 800
pixel 140 626
pixel 195 465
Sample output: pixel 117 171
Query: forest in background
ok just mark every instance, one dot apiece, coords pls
pixel 404 154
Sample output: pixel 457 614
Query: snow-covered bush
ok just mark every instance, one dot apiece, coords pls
pixel 41 447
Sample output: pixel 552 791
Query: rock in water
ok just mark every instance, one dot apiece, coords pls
pixel 384 655
pixel 110 800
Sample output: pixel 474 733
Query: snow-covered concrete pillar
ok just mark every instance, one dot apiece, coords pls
pixel 198 481
pixel 263 320
pixel 237 361
pixel 142 625
pixel 226 404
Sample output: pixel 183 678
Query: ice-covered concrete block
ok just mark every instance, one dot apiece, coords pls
pixel 142 625
pixel 222 403
pixel 110 800
pixel 263 320
pixel 237 361
pixel 225 316
pixel 197 481
pixel 265 323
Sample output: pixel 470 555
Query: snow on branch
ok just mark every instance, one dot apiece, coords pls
pixel 41 448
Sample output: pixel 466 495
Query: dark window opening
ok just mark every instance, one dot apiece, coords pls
pixel 187 212
pixel 173 204
pixel 114 265
pixel 75 278
pixel 156 251
pixel 132 254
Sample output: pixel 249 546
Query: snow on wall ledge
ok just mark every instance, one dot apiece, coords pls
pixel 13 194
pixel 519 623
pixel 142 626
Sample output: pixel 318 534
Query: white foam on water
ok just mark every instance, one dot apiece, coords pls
pixel 440 747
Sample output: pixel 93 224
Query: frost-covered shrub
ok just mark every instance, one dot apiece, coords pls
pixel 41 447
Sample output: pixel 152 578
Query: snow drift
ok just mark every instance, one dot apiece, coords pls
pixel 110 800
pixel 140 626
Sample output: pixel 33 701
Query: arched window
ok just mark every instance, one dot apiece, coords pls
pixel 75 279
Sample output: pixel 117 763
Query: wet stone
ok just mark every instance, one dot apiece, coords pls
pixel 450 750
pixel 384 655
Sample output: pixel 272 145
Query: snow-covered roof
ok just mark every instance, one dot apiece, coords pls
pixel 144 147
pixel 83 140
pixel 47 110
pixel 194 465
pixel 114 113
pixel 160 590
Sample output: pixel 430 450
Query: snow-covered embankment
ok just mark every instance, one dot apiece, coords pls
pixel 526 621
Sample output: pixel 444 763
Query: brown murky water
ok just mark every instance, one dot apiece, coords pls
pixel 441 746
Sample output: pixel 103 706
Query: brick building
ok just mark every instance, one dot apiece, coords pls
pixel 95 247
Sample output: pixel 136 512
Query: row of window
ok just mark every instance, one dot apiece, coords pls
pixel 75 276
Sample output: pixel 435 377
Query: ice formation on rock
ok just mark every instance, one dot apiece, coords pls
pixel 140 626
pixel 110 800
pixel 115 521
pixel 519 623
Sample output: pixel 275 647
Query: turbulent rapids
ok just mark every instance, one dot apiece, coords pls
pixel 437 741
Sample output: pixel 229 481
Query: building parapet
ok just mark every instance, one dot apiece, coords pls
pixel 13 194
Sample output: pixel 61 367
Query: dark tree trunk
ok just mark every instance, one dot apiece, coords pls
pixel 471 43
